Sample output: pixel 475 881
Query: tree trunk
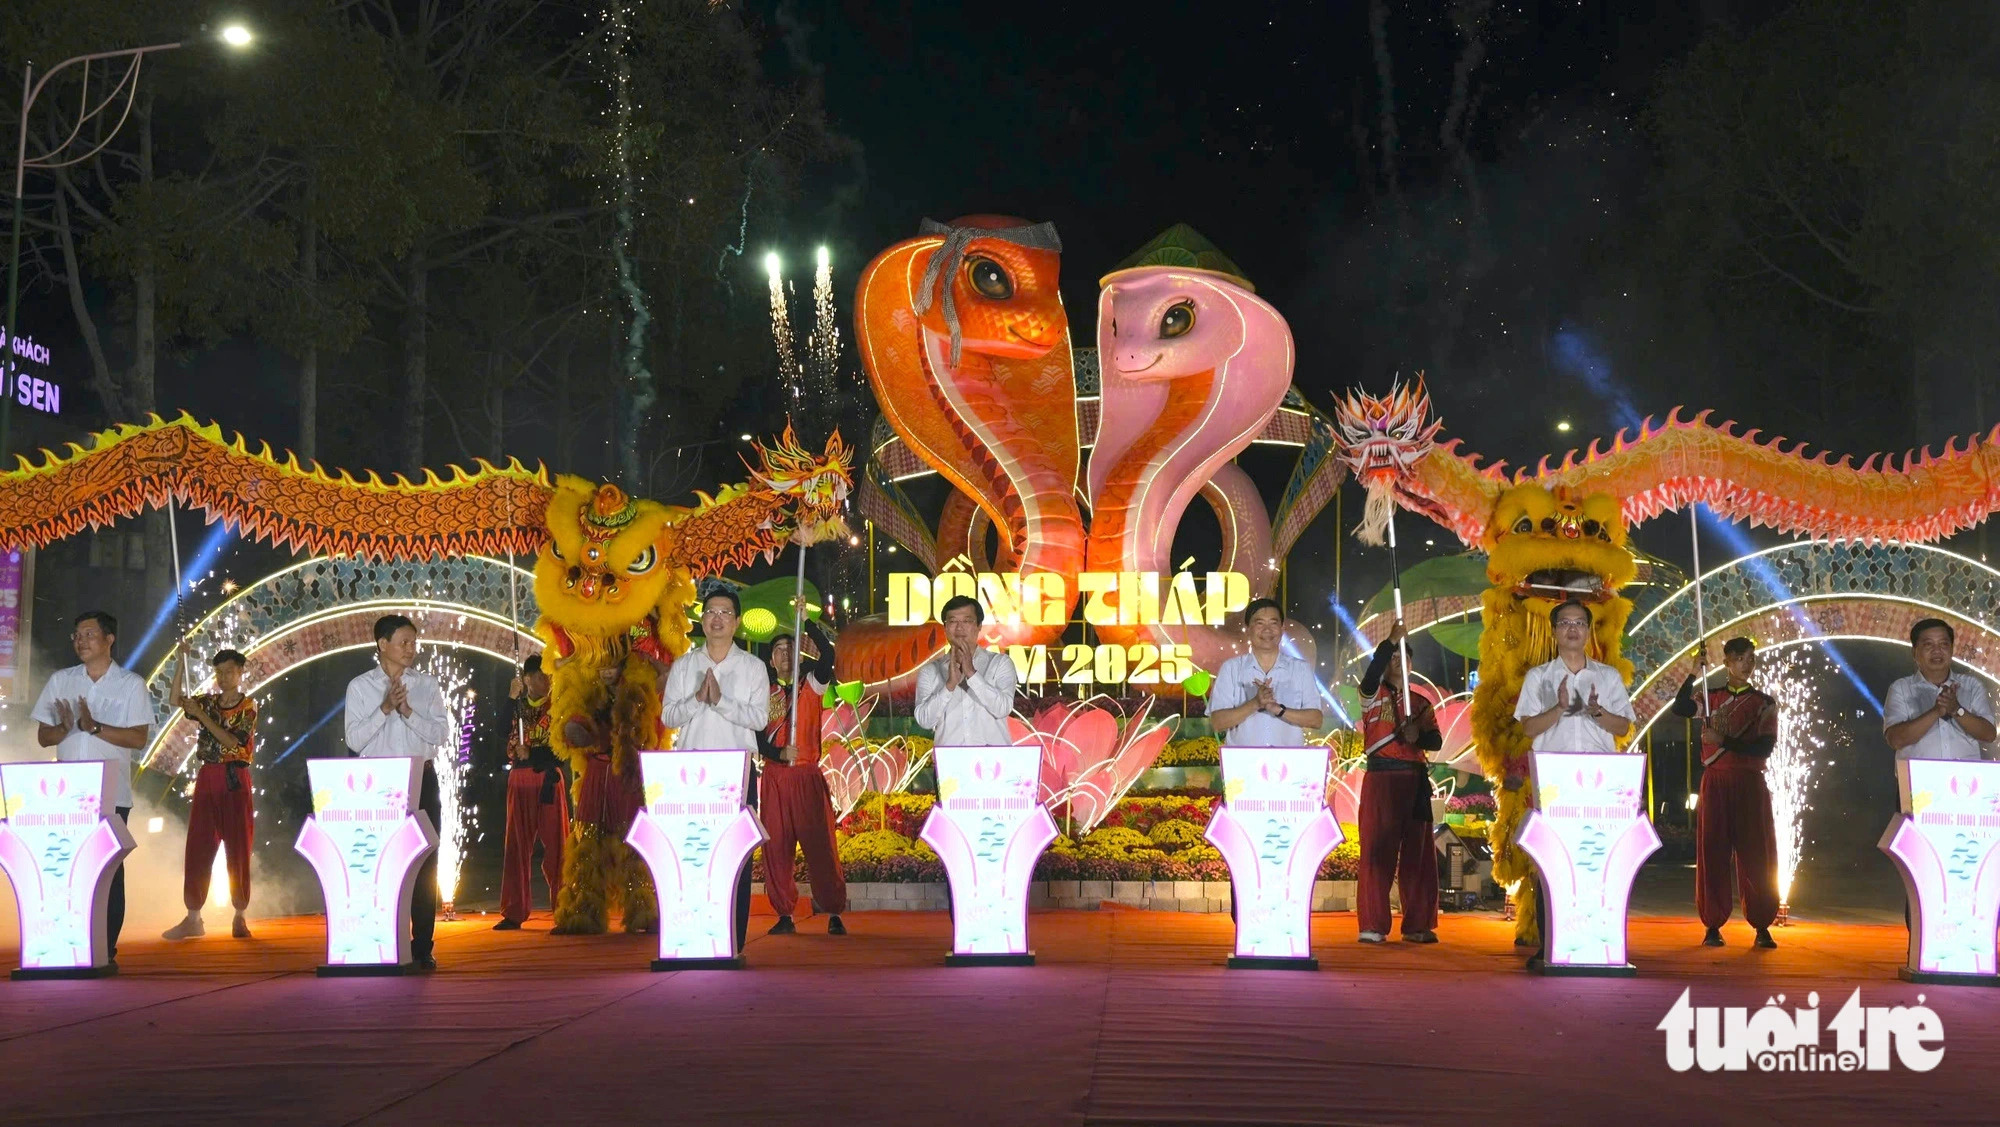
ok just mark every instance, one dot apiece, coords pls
pixel 415 359
pixel 139 389
pixel 309 355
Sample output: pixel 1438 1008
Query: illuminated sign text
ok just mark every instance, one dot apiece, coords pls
pixel 60 849
pixel 988 829
pixel 1273 830
pixel 1121 598
pixel 696 835
pixel 365 840
pixel 1588 836
pixel 1944 844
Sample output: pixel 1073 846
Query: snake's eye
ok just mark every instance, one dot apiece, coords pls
pixel 1524 525
pixel 1177 321
pixel 988 278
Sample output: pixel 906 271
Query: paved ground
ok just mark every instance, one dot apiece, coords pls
pixel 1130 1017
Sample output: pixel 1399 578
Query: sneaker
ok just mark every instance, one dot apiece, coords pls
pixel 784 926
pixel 1713 938
pixel 507 925
pixel 1764 939
pixel 239 928
pixel 1420 937
pixel 1371 937
pixel 834 926
pixel 189 928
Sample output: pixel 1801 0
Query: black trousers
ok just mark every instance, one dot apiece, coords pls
pixel 424 898
pixel 114 916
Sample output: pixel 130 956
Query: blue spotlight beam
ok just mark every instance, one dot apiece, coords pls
pixel 308 733
pixel 1761 568
pixel 204 557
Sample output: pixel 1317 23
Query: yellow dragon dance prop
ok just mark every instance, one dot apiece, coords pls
pixel 613 575
pixel 1564 527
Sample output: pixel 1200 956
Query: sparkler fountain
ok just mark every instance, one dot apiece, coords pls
pixel 1792 677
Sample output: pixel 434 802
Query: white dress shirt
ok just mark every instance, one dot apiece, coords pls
pixel 374 735
pixel 974 715
pixel 1292 682
pixel 731 723
pixel 1913 696
pixel 118 699
pixel 1576 732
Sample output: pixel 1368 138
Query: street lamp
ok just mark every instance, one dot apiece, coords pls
pixel 234 35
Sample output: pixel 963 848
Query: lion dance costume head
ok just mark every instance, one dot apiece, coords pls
pixel 613 600
pixel 1543 549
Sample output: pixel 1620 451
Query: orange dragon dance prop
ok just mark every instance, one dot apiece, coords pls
pixel 1918 498
pixel 964 339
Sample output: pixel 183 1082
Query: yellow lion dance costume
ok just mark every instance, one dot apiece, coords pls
pixel 613 616
pixel 1543 549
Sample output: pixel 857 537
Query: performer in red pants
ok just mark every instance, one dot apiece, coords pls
pixel 1395 810
pixel 1733 815
pixel 221 813
pixel 537 800
pixel 793 798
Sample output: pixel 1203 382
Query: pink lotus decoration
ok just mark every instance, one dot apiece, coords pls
pixel 1454 717
pixel 854 767
pixel 1343 788
pixel 1090 759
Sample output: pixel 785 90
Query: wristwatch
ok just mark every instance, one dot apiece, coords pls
pixel 96 726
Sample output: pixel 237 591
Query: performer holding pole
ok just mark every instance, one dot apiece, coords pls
pixel 1733 815
pixel 222 812
pixel 537 800
pixel 793 798
pixel 1395 813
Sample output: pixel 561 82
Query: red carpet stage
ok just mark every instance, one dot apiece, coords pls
pixel 1129 1018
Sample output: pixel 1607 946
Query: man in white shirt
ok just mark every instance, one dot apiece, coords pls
pixel 1936 713
pixel 966 696
pixel 1572 703
pixel 718 698
pixel 394 711
pixel 98 711
pixel 1264 698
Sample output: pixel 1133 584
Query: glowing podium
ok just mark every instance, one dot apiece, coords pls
pixel 1588 836
pixel 696 835
pixel 60 848
pixel 365 839
pixel 1946 844
pixel 1274 830
pixel 989 829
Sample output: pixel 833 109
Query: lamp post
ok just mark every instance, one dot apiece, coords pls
pixel 234 35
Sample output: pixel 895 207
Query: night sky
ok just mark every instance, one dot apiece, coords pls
pixel 1115 121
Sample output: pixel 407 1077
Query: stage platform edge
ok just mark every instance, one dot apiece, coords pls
pixel 1026 959
pixel 1929 978
pixel 365 970
pixel 1536 965
pixel 48 974
pixel 733 962
pixel 1272 962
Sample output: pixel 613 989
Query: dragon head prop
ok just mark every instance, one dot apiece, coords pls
pixel 815 485
pixel 610 562
pixel 1381 441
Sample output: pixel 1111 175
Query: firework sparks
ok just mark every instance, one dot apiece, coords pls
pixel 453 764
pixel 823 346
pixel 790 371
pixel 1792 677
